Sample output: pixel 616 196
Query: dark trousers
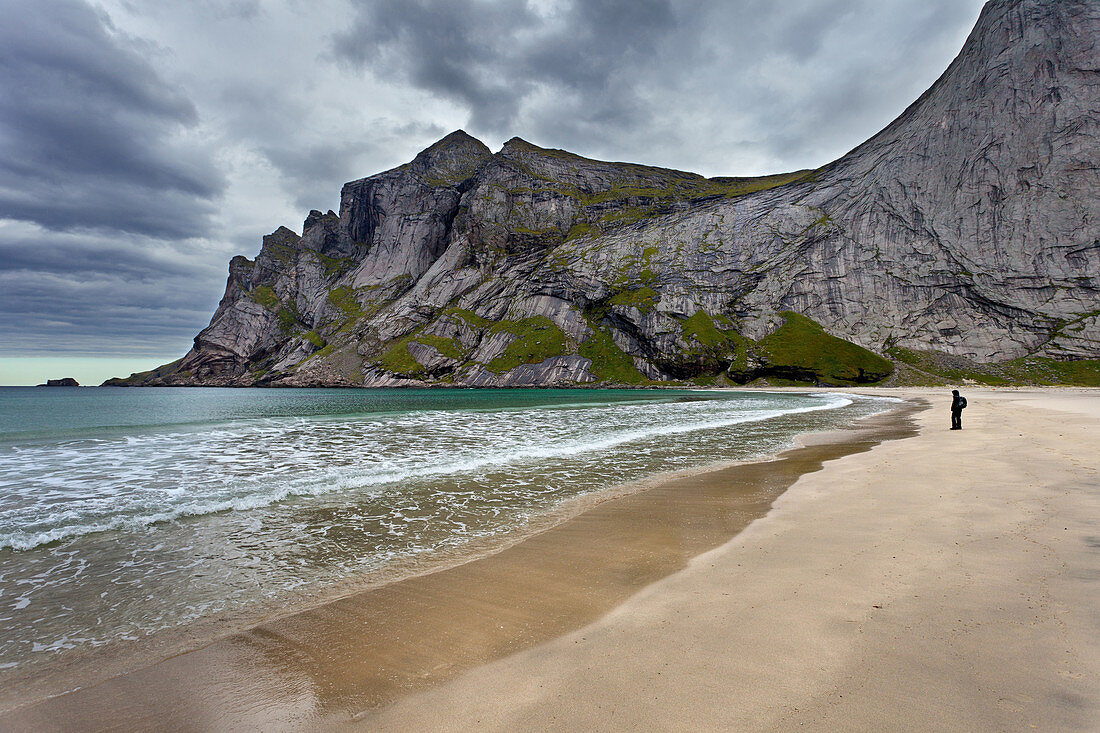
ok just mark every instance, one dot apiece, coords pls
pixel 956 419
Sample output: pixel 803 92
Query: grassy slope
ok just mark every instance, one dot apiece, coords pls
pixel 930 367
pixel 801 350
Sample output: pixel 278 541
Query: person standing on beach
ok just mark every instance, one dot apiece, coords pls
pixel 958 402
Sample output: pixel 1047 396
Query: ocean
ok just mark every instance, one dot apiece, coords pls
pixel 127 512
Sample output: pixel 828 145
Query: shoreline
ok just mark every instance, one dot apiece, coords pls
pixel 371 611
pixel 88 666
pixel 944 582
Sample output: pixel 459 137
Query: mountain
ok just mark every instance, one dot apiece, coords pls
pixel 969 227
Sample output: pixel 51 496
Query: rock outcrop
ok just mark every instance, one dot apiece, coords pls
pixel 63 382
pixel 969 226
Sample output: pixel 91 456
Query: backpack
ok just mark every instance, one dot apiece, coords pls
pixel 962 402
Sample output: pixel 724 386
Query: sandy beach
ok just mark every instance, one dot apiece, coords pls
pixel 362 650
pixel 900 576
pixel 948 581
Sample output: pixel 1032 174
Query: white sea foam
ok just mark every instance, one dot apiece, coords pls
pixel 70 489
pixel 122 531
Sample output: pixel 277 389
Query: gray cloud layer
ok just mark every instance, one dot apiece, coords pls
pixel 89 129
pixel 491 58
pixel 142 144
pixel 714 85
pixel 99 188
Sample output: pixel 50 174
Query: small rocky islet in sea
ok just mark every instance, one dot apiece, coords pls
pixel 63 382
pixel 961 242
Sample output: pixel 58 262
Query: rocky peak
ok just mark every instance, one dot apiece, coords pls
pixel 321 233
pixel 240 269
pixel 278 243
pixel 519 150
pixel 1016 63
pixel 452 160
pixel 562 169
pixel 993 172
pixel 440 171
pixel 517 147
pixel 316 218
pixel 279 248
pixel 283 236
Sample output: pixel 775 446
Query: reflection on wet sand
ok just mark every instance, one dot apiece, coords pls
pixel 327 664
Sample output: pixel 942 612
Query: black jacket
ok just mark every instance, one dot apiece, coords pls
pixel 958 403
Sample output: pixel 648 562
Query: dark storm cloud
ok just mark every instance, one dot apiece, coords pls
pixel 825 76
pixel 315 170
pixel 101 188
pixel 798 82
pixel 90 137
pixel 98 314
pixel 127 256
pixel 104 293
pixel 490 56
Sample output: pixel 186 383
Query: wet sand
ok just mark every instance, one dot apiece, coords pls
pixel 949 581
pixel 353 657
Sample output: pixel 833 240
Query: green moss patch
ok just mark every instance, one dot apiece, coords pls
pixel 314 338
pixel 701 329
pixel 445 346
pixel 334 266
pixel 344 298
pixel 581 230
pixel 1043 370
pixel 325 351
pixel 609 362
pixel 265 296
pixel 716 344
pixel 1074 325
pixel 285 254
pixel 470 317
pixel 937 367
pixel 800 350
pixel 288 319
pixel 398 360
pixel 643 298
pixel 537 339
pixel 630 214
pixel 931 367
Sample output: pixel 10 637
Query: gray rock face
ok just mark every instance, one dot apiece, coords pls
pixel 970 225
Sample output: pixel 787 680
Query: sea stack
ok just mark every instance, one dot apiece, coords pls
pixel 63 382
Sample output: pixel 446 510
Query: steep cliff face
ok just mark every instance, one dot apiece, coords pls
pixel 970 225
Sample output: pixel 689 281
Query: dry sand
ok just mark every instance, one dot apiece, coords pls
pixel 948 581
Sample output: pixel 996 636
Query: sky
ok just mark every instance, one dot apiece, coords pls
pixel 143 144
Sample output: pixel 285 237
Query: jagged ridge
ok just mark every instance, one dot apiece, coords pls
pixel 968 226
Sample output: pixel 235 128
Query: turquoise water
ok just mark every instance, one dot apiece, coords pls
pixel 128 511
